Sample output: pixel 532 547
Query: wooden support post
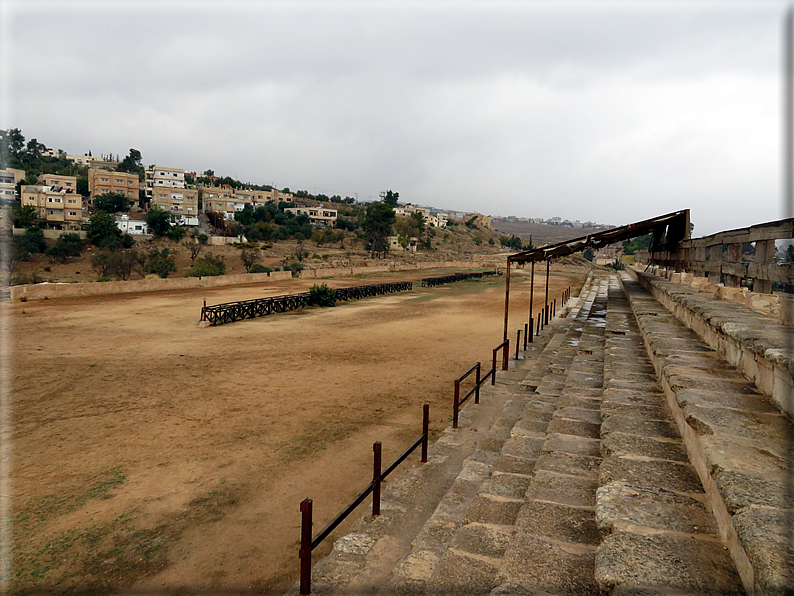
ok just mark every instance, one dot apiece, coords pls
pixel 546 302
pixel 734 256
pixel 507 296
pixel 531 298
pixel 764 253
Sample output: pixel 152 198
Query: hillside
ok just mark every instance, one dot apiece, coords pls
pixel 541 233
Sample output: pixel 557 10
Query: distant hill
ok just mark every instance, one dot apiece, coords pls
pixel 541 233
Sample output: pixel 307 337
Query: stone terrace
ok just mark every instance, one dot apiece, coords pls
pixel 620 455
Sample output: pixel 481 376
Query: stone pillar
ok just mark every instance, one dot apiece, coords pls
pixel 786 310
pixel 764 254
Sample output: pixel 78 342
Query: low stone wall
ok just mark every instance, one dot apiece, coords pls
pixel 390 267
pixel 52 234
pixel 65 290
pixel 751 340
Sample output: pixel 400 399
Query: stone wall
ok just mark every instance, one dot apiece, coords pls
pixel 64 290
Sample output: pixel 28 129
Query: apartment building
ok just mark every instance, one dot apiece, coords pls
pixel 9 178
pixel 67 183
pixel 220 199
pixel 323 216
pixel 102 181
pixel 166 189
pixel 61 207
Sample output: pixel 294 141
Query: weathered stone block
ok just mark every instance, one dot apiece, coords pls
pixel 669 561
pixel 560 522
pixel 623 503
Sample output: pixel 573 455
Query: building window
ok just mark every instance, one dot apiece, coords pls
pixel 73 213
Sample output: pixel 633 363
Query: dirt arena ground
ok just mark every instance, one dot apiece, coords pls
pixel 149 452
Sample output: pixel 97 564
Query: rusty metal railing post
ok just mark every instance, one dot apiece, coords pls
pixel 425 431
pixel 554 309
pixel 477 389
pixel 526 332
pixel 506 354
pixel 540 318
pixel 531 329
pixel 376 468
pixel 518 342
pixel 305 552
pixel 456 404
pixel 493 367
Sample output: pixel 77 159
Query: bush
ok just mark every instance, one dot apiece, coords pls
pixel 207 266
pixel 159 221
pixel 259 268
pixel 103 232
pixel 160 262
pixel 67 245
pixel 32 241
pixel 322 295
pixel 176 233
pixel 295 268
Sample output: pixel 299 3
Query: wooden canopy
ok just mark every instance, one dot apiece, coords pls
pixel 668 230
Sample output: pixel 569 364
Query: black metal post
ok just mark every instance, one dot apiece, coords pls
pixel 477 389
pixel 425 431
pixel 456 404
pixel 546 321
pixel 518 341
pixel 305 552
pixel 376 468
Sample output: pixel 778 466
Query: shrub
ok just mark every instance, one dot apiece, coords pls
pixel 160 262
pixel 67 245
pixel 259 268
pixel 32 241
pixel 295 268
pixel 207 266
pixel 176 233
pixel 322 295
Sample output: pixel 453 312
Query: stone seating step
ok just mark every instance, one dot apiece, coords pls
pixel 651 509
pixel 738 442
pixel 483 449
pixel 552 548
pixel 466 557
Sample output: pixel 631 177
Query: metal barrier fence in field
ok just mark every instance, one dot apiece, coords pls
pixel 430 282
pixel 229 312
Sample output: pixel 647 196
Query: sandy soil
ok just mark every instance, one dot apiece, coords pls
pixel 153 453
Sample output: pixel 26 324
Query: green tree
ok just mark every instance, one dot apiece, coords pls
pixel 132 163
pixel 103 232
pixel 159 221
pixel 377 224
pixel 112 202
pixel 160 262
pixel 248 257
pixel 67 245
pixel 25 216
pixel 32 241
pixel 207 266
pixel 246 216
pixel 390 198
pixel 176 233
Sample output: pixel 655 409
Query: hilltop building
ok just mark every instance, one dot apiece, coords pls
pixel 166 189
pixel 103 181
pixel 9 178
pixel 56 200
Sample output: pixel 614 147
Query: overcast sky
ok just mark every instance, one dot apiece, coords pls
pixel 610 112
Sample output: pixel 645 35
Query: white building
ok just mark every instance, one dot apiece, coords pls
pixel 131 226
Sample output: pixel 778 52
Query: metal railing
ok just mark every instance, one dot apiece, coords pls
pixel 430 282
pixel 458 401
pixel 308 544
pixel 229 312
